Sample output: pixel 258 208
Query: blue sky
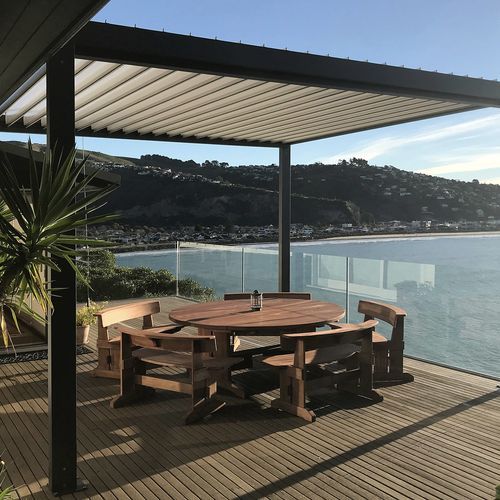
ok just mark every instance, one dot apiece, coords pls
pixel 459 36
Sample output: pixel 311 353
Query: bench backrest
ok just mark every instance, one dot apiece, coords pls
pixel 379 310
pixel 118 314
pixel 328 338
pixel 125 312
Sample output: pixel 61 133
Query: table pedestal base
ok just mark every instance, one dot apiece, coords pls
pixel 224 350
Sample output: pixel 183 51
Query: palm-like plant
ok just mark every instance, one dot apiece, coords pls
pixel 37 228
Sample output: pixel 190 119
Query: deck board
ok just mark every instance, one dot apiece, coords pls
pixel 434 438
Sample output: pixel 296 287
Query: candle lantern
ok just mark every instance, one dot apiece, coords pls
pixel 256 301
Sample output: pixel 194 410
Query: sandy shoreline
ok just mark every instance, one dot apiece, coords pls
pixel 366 237
pixel 409 235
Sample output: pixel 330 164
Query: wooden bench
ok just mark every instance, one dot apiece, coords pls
pixel 108 347
pixel 141 350
pixel 340 358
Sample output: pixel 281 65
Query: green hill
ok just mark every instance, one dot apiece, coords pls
pixel 159 190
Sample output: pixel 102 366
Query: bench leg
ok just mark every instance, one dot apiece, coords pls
pixel 203 393
pixel 298 411
pixel 388 365
pixel 124 399
pixel 292 397
pixel 204 408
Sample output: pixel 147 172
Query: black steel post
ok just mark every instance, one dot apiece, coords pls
pixel 285 210
pixel 62 323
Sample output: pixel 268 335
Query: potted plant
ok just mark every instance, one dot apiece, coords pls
pixel 85 317
pixel 38 221
pixel 6 492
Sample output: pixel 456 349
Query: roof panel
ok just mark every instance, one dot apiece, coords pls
pixel 202 114
pixel 337 106
pixel 373 107
pixel 145 102
pixel 132 100
pixel 303 134
pixel 123 96
pixel 263 97
pixel 111 81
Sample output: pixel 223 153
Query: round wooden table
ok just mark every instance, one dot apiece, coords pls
pixel 277 316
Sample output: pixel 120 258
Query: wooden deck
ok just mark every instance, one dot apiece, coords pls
pixel 437 437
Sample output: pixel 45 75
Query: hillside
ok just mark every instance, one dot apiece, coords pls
pixel 168 199
pixel 93 156
pixel 158 190
pixel 368 193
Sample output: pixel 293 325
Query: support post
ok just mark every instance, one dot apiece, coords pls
pixel 62 324
pixel 285 209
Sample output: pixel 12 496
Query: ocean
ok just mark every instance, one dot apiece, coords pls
pixel 449 284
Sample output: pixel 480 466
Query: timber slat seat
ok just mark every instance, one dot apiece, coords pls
pixel 152 350
pixel 178 359
pixel 312 365
pixel 314 357
pixel 108 347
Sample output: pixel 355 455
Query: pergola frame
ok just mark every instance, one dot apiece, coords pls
pixel 124 45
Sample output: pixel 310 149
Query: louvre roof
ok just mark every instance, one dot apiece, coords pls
pixel 132 83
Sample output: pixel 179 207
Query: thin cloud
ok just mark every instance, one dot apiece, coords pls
pixel 493 180
pixel 486 161
pixel 381 146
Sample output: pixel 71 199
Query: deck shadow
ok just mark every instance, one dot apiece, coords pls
pixel 368 447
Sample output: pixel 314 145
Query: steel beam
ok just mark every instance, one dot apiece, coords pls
pixel 285 210
pixel 126 45
pixel 37 128
pixel 62 323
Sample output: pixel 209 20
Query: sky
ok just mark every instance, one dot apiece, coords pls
pixel 459 36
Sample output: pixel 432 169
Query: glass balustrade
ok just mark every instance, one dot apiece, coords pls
pixel 453 312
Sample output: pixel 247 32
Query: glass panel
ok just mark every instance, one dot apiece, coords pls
pixel 321 275
pixel 453 312
pixel 452 303
pixel 216 267
pixel 155 259
pixel 261 269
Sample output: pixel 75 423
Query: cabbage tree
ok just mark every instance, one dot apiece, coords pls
pixel 37 229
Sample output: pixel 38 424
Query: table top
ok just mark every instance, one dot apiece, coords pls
pixel 276 314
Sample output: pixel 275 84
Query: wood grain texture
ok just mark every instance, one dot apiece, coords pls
pixel 276 314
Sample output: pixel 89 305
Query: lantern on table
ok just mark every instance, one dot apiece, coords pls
pixel 256 301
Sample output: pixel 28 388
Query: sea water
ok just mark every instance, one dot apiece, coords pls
pixel 449 285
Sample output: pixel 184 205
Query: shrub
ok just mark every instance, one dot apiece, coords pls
pixel 190 288
pixel 109 282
